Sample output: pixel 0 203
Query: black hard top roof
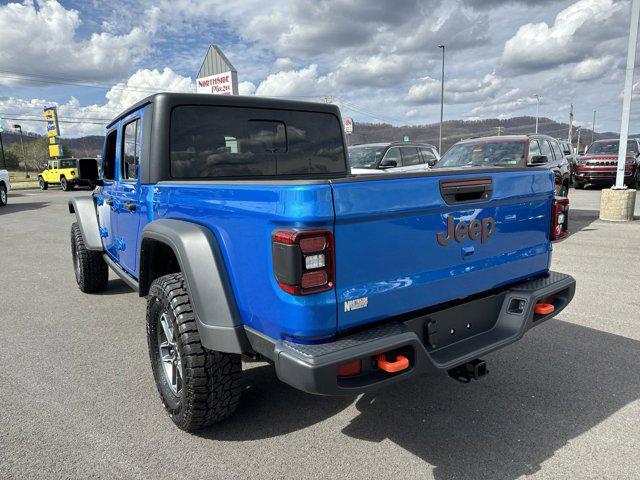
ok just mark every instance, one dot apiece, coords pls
pixel 227 100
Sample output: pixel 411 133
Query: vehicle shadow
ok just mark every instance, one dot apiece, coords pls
pixel 581 220
pixel 556 384
pixel 21 207
pixel 116 287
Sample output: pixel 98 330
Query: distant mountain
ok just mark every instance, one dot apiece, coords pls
pixel 455 130
pixel 89 146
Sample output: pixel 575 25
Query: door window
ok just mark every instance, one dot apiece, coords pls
pixel 534 149
pixel 428 155
pixel 130 150
pixel 393 155
pixel 556 150
pixel 109 157
pixel 410 156
pixel 545 149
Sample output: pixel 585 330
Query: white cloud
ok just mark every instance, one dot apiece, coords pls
pixel 377 70
pixel 456 90
pixel 411 113
pixel 40 38
pixel 592 68
pixel 246 88
pixel 576 32
pixel 121 96
pixel 283 64
pixel 303 82
pixel 504 106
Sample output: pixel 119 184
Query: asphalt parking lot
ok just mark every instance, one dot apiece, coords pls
pixel 77 398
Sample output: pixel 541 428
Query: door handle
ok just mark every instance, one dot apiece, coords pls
pixel 130 206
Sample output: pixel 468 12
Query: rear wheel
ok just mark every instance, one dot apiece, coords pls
pixel 64 183
pixel 91 271
pixel 198 387
pixel 43 185
pixel 578 186
pixel 3 195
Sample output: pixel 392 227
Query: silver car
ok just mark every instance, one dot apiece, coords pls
pixel 401 157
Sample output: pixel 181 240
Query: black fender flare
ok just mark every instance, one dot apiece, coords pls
pixel 87 219
pixel 202 265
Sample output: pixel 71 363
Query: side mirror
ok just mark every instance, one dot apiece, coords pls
pixel 432 162
pixel 568 152
pixel 538 160
pixel 88 171
pixel 388 164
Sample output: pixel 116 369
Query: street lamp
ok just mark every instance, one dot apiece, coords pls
pixel 441 100
pixel 537 110
pixel 24 155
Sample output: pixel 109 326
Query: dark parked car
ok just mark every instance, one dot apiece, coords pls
pixel 571 155
pixel 400 157
pixel 599 164
pixel 511 151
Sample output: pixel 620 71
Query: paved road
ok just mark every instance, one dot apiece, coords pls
pixel 77 399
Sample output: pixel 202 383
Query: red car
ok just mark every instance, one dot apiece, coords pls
pixel 599 163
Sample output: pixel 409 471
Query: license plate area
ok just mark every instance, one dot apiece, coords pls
pixel 460 322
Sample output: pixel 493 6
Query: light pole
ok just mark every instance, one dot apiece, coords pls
pixel 441 101
pixel 593 127
pixel 24 155
pixel 537 110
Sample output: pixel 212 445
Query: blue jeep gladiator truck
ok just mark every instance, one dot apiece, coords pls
pixel 239 221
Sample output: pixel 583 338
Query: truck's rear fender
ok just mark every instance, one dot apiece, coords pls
pixel 242 217
pixel 387 232
pixel 87 218
pixel 199 258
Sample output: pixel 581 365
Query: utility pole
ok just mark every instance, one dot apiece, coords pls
pixel 24 155
pixel 593 127
pixel 537 110
pixel 441 100
pixel 578 146
pixel 570 136
pixel 626 101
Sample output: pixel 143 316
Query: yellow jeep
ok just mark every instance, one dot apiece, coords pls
pixel 63 171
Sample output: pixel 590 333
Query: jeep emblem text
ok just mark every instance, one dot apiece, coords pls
pixel 482 229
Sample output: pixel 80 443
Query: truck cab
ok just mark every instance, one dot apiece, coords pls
pixel 239 221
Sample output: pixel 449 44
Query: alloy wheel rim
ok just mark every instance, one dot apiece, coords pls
pixel 3 195
pixel 169 354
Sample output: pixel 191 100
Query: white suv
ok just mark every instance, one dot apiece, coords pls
pixel 5 186
pixel 398 157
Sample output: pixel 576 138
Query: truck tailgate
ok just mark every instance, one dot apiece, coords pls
pixel 396 245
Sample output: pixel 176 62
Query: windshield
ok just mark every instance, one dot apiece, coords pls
pixel 610 147
pixel 67 164
pixel 484 154
pixel 365 157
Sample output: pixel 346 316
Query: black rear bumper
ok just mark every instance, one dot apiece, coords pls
pixel 435 339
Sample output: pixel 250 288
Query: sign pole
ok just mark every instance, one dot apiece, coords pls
pixel 626 102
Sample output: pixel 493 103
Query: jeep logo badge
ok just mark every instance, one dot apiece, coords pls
pixel 482 229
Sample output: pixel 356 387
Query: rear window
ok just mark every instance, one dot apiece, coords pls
pixel 68 163
pixel 222 142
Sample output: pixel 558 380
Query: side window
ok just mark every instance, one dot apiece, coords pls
pixel 410 156
pixel 427 154
pixel 545 149
pixel 393 155
pixel 534 148
pixel 54 165
pixel 130 150
pixel 109 158
pixel 556 150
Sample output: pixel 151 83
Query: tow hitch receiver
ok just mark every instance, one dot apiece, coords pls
pixel 473 370
pixel 401 363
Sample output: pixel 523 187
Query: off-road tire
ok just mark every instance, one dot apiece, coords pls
pixel 43 185
pixel 65 184
pixel 211 380
pixel 91 271
pixel 3 195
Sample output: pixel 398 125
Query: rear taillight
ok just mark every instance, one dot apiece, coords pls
pixel 560 218
pixel 303 260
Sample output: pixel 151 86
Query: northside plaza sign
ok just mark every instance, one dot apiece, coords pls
pixel 219 84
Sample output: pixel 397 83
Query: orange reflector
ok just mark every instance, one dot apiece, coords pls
pixel 349 369
pixel 401 363
pixel 544 308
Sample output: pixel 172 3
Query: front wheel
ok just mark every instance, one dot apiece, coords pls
pixel 198 387
pixel 3 195
pixel 91 271
pixel 66 186
pixel 43 185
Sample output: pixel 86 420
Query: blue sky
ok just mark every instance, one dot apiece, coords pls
pixel 378 60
